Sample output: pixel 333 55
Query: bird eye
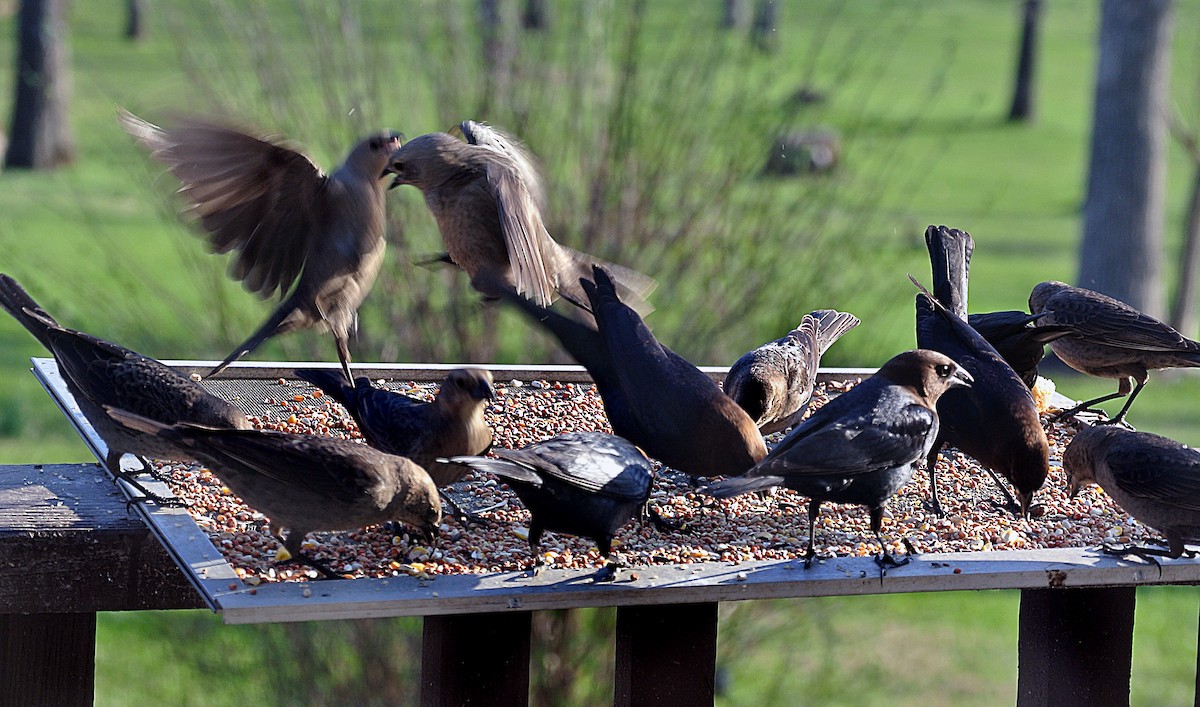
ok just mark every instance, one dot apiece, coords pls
pixel 397 166
pixel 943 370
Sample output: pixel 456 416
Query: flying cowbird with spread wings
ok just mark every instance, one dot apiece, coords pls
pixel 995 421
pixel 774 382
pixel 1154 479
pixel 307 483
pixel 392 422
pixel 486 195
pixel 653 397
pixel 319 236
pixel 861 447
pixel 1110 339
pixel 99 373
pixel 588 484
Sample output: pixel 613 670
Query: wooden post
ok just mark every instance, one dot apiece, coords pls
pixel 475 659
pixel 47 659
pixel 666 655
pixel 1075 646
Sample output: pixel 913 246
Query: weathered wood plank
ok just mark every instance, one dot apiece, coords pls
pixel 1075 646
pixel 666 655
pixel 481 659
pixel 47 659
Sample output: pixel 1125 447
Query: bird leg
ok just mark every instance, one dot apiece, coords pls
pixel 887 559
pixel 814 510
pixel 1086 406
pixel 661 523
pixel 1120 416
pixel 1147 553
pixel 343 349
pixel 463 516
pixel 301 559
pixel 535 546
pixel 428 261
pixel 114 466
pixel 608 572
pixel 1010 504
pixel 934 504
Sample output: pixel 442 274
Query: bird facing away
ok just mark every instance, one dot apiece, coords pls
pixel 1154 479
pixel 451 425
pixel 99 373
pixel 653 397
pixel 487 198
pixel 1018 338
pixel 307 483
pixel 1110 340
pixel 774 382
pixel 996 420
pixel 290 223
pixel 588 484
pixel 862 446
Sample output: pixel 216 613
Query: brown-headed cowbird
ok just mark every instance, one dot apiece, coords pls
pixel 996 420
pixel 653 397
pixel 773 382
pixel 588 484
pixel 290 222
pixel 1110 339
pixel 99 373
pixel 1154 479
pixel 392 422
pixel 862 446
pixel 1018 338
pixel 307 483
pixel 487 199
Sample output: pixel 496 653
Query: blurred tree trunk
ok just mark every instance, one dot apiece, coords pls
pixel 1023 106
pixel 499 52
pixel 40 136
pixel 764 30
pixel 536 15
pixel 135 25
pixel 1121 252
pixel 1183 310
pixel 735 14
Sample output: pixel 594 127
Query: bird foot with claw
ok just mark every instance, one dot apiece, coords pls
pixel 934 508
pixel 664 524
pixel 1010 506
pixel 607 573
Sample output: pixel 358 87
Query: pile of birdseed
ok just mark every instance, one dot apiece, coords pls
pixel 748 527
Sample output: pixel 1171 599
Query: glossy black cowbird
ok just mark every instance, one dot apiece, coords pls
pixel 392 422
pixel 99 373
pixel 773 382
pixel 653 397
pixel 1110 339
pixel 996 420
pixel 1018 338
pixel 1154 479
pixel 588 484
pixel 289 222
pixel 307 483
pixel 862 446
pixel 487 198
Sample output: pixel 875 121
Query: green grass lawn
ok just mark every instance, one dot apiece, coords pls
pixel 652 134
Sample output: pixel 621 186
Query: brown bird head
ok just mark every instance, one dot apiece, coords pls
pixel 428 160
pixel 1042 292
pixel 928 373
pixel 418 503
pixel 1081 455
pixel 467 388
pixel 372 155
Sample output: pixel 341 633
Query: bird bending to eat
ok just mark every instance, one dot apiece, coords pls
pixel 451 425
pixel 995 421
pixel 862 446
pixel 581 483
pixel 487 198
pixel 652 396
pixel 1154 479
pixel 1110 340
pixel 99 373
pixel 774 382
pixel 307 483
pixel 295 228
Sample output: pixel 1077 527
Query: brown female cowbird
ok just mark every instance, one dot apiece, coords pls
pixel 487 198
pixel 392 422
pixel 1154 479
pixel 773 382
pixel 289 222
pixel 1110 339
pixel 307 483
pixel 99 373
pixel 653 397
pixel 862 446
pixel 995 421
pixel 1018 338
pixel 581 483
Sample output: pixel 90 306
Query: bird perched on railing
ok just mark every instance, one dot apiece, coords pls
pixel 99 373
pixel 1110 339
pixel 290 223
pixel 487 198
pixel 653 397
pixel 451 425
pixel 1019 338
pixel 1154 479
pixel 307 483
pixel 588 484
pixel 861 447
pixel 774 382
pixel 996 420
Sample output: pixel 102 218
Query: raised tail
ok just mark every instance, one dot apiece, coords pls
pixel 950 257
pixel 17 302
pixel 825 326
pixel 278 323
pixel 631 286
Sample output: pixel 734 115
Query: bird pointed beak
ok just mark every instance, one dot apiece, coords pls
pixel 429 533
pixel 961 378
pixel 1072 488
pixel 485 391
